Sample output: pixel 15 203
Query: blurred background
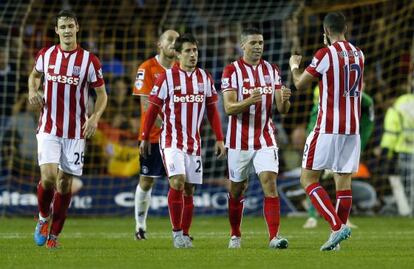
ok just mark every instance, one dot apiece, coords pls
pixel 123 33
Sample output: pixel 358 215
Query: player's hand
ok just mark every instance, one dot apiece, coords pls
pixel 145 148
pixel 220 150
pixel 256 96
pixel 286 93
pixel 294 61
pixel 89 127
pixel 36 98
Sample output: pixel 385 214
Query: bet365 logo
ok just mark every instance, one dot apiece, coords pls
pixel 263 90
pixel 189 98
pixel 63 79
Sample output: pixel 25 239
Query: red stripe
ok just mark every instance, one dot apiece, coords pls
pixel 177 109
pixel 245 115
pixel 82 97
pixel 352 78
pixel 60 106
pixel 72 99
pixel 330 92
pixel 311 151
pixel 361 64
pixel 268 129
pixel 49 103
pixel 342 99
pixel 167 115
pixel 258 113
pixel 200 114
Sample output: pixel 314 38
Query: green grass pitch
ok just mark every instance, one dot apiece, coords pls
pixel 108 243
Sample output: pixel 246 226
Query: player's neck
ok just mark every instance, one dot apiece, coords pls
pixel 187 68
pixel 68 47
pixel 251 61
pixel 337 38
pixel 165 61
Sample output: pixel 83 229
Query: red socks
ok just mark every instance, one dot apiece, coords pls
pixel 60 208
pixel 175 207
pixel 343 204
pixel 321 201
pixel 187 214
pixel 235 214
pixel 44 199
pixel 271 212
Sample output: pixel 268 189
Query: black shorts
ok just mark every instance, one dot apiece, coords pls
pixel 153 165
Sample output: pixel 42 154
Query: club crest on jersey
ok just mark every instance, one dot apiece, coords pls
pixel 225 83
pixel 140 74
pixel 138 84
pixel 76 70
pixel 200 87
pixel 267 79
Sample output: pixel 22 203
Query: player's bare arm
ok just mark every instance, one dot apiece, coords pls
pixel 35 96
pixel 90 126
pixel 151 115
pixel 144 102
pixel 302 80
pixel 282 99
pixel 234 107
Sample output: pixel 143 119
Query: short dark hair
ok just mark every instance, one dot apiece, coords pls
pixel 249 31
pixel 66 14
pixel 178 45
pixel 335 22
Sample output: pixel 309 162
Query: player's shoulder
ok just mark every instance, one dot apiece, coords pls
pixel 322 51
pixel 149 63
pixel 43 50
pixel 230 68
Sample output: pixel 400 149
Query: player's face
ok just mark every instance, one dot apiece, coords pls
pixel 66 29
pixel 253 47
pixel 166 44
pixel 188 56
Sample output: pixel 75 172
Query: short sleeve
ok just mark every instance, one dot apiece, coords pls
pixel 159 92
pixel 143 80
pixel 39 64
pixel 95 77
pixel 278 77
pixel 211 94
pixel 320 63
pixel 229 79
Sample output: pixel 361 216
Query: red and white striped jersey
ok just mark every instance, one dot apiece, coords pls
pixel 254 128
pixel 183 97
pixel 340 69
pixel 67 78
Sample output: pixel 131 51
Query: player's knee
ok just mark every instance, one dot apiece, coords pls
pixel 48 180
pixel 146 183
pixel 177 182
pixel 237 189
pixel 64 184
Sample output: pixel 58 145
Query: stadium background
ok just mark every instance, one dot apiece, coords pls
pixel 123 33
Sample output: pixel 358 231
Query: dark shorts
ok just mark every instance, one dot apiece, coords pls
pixel 153 166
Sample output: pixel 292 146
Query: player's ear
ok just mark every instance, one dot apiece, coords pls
pixel 77 27
pixel 56 30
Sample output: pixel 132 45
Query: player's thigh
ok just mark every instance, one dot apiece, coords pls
pixel 152 166
pixel 193 169
pixel 348 151
pixel 319 152
pixel 174 161
pixel 71 161
pixel 266 162
pixel 49 149
pixel 239 163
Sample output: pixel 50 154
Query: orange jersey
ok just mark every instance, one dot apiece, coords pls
pixel 147 73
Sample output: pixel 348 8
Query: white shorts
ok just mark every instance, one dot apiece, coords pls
pixel 337 152
pixel 68 153
pixel 177 162
pixel 240 162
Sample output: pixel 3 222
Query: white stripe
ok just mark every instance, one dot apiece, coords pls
pixel 183 115
pixel 274 81
pixel 170 87
pixel 54 93
pixel 338 201
pixel 336 93
pixel 324 101
pixel 207 92
pixel 162 94
pixel 238 126
pixel 324 207
pixel 347 98
pixel 67 111
pixel 252 109
pixel 263 116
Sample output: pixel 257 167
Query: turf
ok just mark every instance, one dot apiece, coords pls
pixel 108 243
